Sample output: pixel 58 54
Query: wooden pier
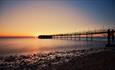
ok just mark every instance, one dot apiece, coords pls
pixel 109 34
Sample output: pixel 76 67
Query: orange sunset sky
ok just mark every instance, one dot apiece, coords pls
pixel 32 18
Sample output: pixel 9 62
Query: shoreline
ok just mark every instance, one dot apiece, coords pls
pixel 91 59
pixel 104 60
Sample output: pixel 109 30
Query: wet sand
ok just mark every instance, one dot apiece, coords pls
pixel 90 59
pixel 104 60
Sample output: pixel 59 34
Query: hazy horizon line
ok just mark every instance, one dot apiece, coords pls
pixel 17 36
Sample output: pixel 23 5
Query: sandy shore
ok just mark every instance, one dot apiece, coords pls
pixel 91 59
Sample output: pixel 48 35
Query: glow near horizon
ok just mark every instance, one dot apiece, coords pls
pixel 35 19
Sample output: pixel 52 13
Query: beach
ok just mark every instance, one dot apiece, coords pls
pixel 90 59
pixel 57 35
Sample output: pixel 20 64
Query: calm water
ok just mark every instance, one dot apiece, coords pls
pixel 14 46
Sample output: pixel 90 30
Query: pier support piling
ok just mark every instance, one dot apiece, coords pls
pixel 112 34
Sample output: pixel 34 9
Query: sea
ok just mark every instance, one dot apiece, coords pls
pixel 26 46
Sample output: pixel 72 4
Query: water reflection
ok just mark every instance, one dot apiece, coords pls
pixel 13 46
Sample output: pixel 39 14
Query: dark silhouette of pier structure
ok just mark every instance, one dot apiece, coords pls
pixel 109 34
